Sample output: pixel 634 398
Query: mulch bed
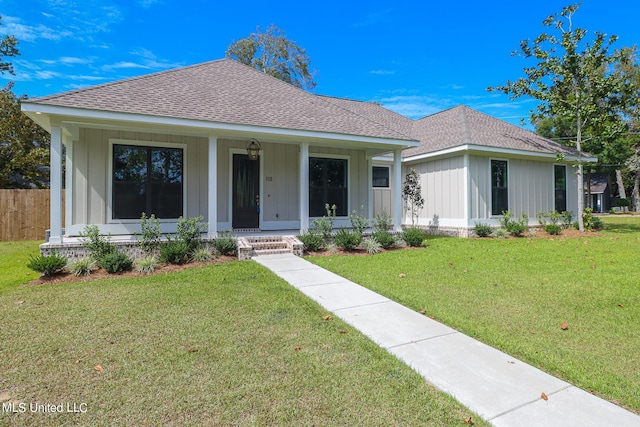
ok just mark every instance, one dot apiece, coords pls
pixel 102 274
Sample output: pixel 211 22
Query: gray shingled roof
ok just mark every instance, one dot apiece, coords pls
pixel 223 91
pixel 599 182
pixel 226 91
pixel 461 125
pixel 377 113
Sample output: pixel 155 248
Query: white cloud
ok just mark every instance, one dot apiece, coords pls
pixel 415 106
pixel 148 3
pixel 123 64
pixel 66 60
pixel 382 72
pixel 30 33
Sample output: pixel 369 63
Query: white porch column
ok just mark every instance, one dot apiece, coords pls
pixel 69 173
pixel 304 186
pixel 68 184
pixel 55 186
pixel 397 190
pixel 212 185
pixel 370 188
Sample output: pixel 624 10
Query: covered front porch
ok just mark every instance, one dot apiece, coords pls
pixel 279 193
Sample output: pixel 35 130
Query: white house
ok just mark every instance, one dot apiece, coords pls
pixel 250 152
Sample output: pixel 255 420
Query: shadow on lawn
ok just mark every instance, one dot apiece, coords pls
pixel 622 228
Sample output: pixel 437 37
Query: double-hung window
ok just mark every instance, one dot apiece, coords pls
pixel 328 184
pixel 499 187
pixel 147 179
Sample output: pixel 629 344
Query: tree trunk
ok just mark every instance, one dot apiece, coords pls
pixel 580 172
pixel 635 195
pixel 621 192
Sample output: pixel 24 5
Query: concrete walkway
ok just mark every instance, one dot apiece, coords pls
pixel 499 388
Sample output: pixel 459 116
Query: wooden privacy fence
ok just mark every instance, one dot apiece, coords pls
pixel 24 214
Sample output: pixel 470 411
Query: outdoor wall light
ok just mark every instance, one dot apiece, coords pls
pixel 253 149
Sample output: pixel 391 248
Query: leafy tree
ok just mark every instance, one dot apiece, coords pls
pixel 412 194
pixel 274 54
pixel 629 70
pixel 24 146
pixel 573 79
pixel 7 49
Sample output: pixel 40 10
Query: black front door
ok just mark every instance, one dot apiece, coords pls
pixel 246 192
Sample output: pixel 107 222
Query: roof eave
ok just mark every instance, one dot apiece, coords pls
pixel 498 151
pixel 42 114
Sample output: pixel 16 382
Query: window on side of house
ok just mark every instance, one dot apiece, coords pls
pixel 499 187
pixel 147 179
pixel 328 181
pixel 560 187
pixel 380 177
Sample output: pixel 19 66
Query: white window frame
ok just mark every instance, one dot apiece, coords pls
pixel 112 142
pixel 566 186
pixel 388 168
pixel 337 156
pixel 490 198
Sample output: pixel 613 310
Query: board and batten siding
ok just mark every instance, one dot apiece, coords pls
pixel 91 159
pixel 530 183
pixel 442 182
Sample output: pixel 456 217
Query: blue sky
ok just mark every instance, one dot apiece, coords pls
pixel 415 57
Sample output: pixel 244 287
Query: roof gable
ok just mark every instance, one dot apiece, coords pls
pixel 223 91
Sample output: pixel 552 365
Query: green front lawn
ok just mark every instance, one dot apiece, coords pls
pixel 227 344
pixel 515 294
pixel 14 257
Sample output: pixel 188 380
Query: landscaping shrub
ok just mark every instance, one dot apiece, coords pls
pixel 553 229
pixel 385 238
pixel 225 243
pixel 596 224
pixel 202 254
pixel 413 236
pixel 383 221
pixel 82 266
pixel 190 231
pixel 324 225
pixel 115 262
pixel 514 226
pixel 174 252
pixel 347 239
pixel 358 223
pixel 372 246
pixel 312 240
pixel 482 230
pixel 501 233
pixel 146 264
pixel 47 265
pixel 591 223
pixel 98 245
pixel 332 248
pixel 567 219
pixel 150 233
